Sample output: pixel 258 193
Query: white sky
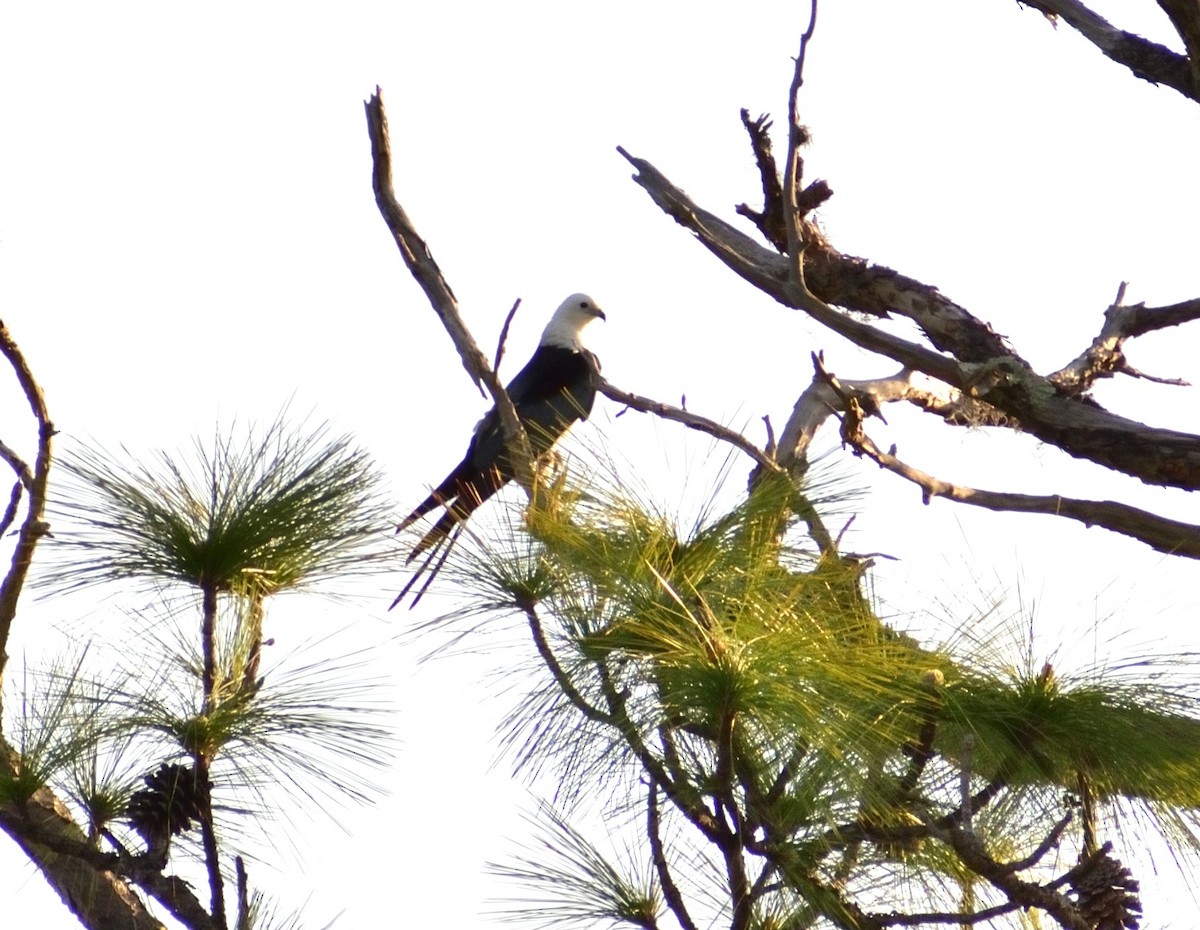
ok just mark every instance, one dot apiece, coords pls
pixel 187 234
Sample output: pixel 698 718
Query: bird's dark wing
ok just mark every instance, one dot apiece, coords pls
pixel 556 387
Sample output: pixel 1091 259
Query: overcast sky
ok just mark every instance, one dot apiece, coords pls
pixel 188 236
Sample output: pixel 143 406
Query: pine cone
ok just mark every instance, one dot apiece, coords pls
pixel 168 804
pixel 1107 895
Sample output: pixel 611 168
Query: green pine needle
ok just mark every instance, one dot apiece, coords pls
pixel 568 882
pixel 48 729
pixel 262 511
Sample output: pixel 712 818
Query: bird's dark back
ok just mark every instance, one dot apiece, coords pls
pixel 555 388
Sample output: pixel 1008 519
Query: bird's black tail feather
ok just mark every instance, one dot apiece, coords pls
pixel 430 568
pixel 440 496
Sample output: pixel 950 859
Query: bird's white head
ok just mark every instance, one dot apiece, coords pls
pixel 572 315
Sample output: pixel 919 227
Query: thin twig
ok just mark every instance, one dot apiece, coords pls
pixel 504 335
pixel 1048 842
pixel 17 464
pixel 966 757
pixel 34 526
pixel 939 917
pixel 561 678
pixel 10 511
pixel 793 219
pixel 690 420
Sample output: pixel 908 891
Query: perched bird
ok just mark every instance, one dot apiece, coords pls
pixel 555 388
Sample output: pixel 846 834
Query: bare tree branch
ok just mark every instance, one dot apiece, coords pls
pixel 1145 319
pixel 34 526
pixel 688 419
pixel 770 273
pixel 1147 60
pixel 897 919
pixel 421 263
pixel 1079 427
pixel 1105 356
pixel 793 221
pixel 819 401
pixel 1165 535
pixel 766 462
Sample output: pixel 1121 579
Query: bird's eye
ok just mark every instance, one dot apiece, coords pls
pixel 584 304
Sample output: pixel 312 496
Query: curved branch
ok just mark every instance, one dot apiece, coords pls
pixel 1147 60
pixel 34 526
pixel 816 528
pixel 561 678
pixel 1169 536
pixel 688 419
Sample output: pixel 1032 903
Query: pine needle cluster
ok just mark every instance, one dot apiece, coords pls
pixel 747 692
pixel 181 746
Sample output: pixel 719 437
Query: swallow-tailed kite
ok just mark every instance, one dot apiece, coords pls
pixel 555 388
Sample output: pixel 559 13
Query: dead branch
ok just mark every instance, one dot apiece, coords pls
pixel 1105 356
pixel 1147 60
pixel 854 283
pixel 766 462
pixel 421 264
pixel 34 526
pixel 1160 533
pixel 793 171
pixel 688 419
pixel 819 401
pixel 1081 428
